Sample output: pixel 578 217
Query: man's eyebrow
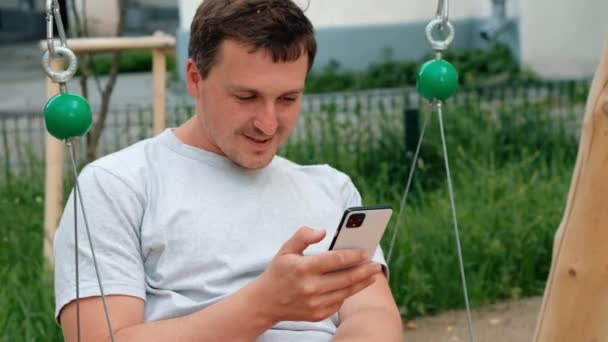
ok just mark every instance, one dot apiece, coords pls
pixel 255 91
pixel 242 89
pixel 294 91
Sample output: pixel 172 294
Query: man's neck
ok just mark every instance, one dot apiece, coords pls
pixel 190 133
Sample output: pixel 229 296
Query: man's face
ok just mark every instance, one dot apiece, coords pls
pixel 248 104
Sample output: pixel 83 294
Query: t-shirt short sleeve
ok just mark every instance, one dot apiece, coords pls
pixel 113 210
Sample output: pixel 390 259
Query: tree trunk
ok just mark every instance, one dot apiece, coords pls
pixel 99 120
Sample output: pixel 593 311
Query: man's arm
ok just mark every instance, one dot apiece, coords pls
pixel 217 322
pixel 370 315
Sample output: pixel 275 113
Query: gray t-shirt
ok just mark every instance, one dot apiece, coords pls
pixel 182 227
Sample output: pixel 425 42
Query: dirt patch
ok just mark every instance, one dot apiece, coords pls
pixel 510 321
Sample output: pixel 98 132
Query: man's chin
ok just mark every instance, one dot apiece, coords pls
pixel 254 162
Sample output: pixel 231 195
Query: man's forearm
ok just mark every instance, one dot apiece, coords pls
pixel 373 324
pixel 235 318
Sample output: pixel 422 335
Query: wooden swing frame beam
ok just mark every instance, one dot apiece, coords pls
pixel 575 304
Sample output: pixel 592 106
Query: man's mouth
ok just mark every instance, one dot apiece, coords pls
pixel 259 141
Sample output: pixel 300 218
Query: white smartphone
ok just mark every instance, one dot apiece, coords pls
pixel 362 227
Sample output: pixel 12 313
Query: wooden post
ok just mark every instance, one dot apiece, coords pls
pixel 575 305
pixel 53 186
pixel 159 78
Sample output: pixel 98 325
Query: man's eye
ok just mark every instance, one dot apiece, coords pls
pixel 289 99
pixel 245 98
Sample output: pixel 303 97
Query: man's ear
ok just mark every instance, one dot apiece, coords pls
pixel 193 77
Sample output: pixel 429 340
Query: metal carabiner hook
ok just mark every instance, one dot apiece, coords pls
pixel 442 23
pixel 443 8
pixel 49 28
pixel 54 15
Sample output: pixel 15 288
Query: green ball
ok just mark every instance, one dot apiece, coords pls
pixel 437 80
pixel 67 116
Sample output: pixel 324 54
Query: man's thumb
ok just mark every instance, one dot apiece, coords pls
pixel 301 239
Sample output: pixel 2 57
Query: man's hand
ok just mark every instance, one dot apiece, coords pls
pixel 308 288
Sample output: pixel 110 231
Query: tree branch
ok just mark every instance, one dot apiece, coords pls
pixel 99 124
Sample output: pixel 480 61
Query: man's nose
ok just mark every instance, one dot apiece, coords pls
pixel 266 121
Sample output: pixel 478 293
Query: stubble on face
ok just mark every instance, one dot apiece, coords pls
pixel 247 106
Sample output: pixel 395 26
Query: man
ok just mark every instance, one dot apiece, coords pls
pixel 196 231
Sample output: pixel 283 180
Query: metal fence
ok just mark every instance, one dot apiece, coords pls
pixel 22 136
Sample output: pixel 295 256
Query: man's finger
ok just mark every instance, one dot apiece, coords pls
pixel 350 277
pixel 336 260
pixel 338 296
pixel 303 238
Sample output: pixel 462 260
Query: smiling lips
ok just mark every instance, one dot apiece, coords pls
pixel 260 142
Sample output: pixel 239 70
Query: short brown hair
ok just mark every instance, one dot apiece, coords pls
pixel 277 26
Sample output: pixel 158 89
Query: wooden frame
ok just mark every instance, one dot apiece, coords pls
pixel 575 304
pixel 159 43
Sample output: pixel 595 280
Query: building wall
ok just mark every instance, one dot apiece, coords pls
pixel 19 21
pixel 8 4
pixel 341 13
pixel 358 32
pixel 563 38
pixel 18 4
pixel 156 3
pixel 144 17
pixel 344 13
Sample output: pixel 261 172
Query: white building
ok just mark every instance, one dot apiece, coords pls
pixel 563 38
pixel 555 38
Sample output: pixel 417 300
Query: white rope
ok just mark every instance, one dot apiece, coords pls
pixel 408 184
pixel 78 196
pixel 455 222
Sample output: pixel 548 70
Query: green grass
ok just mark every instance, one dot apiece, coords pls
pixel 511 169
pixel 507 217
pixel 129 62
pixel 26 290
pixel 475 66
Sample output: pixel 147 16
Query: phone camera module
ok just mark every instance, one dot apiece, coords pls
pixel 355 220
